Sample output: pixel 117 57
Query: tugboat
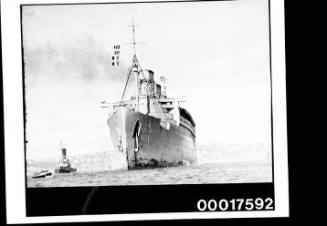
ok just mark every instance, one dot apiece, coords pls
pixel 64 165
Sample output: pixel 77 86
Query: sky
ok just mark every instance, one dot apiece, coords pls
pixel 214 53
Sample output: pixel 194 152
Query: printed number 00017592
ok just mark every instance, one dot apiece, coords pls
pixel 235 204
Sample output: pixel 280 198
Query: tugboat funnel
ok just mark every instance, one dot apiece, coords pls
pixel 63 152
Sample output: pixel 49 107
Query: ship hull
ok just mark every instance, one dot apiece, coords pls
pixel 65 170
pixel 147 143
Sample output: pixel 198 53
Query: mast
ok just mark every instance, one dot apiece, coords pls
pixel 135 67
pixel 134 43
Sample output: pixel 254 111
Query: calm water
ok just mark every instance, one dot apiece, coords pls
pixel 237 172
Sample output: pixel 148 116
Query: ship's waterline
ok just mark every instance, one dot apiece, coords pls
pixel 147 143
pixel 200 173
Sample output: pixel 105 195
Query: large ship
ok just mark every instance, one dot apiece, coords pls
pixel 151 129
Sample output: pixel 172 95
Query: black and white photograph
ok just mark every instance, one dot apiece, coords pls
pixel 145 107
pixel 193 93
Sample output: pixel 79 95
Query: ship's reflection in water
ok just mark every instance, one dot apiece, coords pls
pixel 232 172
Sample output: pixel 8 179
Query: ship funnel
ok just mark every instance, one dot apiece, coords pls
pixel 147 82
pixel 148 75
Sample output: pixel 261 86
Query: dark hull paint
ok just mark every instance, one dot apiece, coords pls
pixel 65 170
pixel 158 146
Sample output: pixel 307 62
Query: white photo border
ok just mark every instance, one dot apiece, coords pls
pixel 14 121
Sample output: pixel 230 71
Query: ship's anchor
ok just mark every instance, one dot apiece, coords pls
pixel 136 135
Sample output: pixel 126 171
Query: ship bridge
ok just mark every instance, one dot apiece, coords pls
pixel 151 99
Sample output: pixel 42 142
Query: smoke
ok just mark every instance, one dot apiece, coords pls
pixel 64 87
pixel 82 60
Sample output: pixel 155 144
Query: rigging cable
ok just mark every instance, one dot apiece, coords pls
pixel 129 74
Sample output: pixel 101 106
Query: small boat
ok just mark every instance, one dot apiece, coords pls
pixel 41 174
